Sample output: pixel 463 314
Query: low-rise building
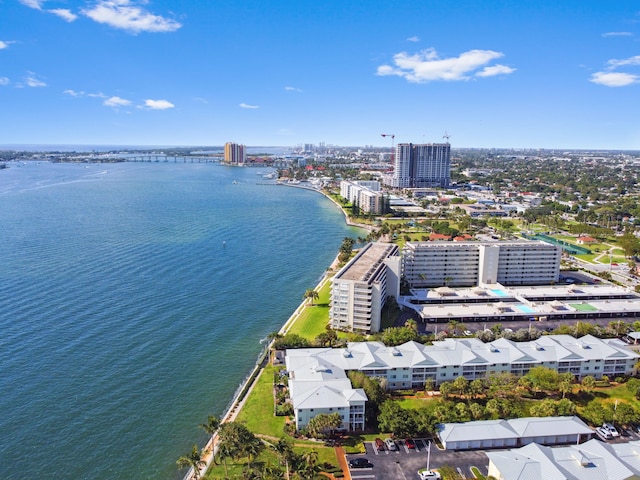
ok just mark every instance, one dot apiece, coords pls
pixel 513 433
pixel 317 386
pixel 592 460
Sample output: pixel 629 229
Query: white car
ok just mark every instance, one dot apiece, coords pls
pixel 611 429
pixel 391 445
pixel 603 434
pixel 425 474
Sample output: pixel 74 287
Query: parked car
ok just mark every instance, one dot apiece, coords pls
pixel 603 434
pixel 410 444
pixel 391 445
pixel 425 474
pixel 360 462
pixel 611 429
pixel 379 444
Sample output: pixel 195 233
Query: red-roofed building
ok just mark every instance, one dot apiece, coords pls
pixel 586 239
pixel 439 236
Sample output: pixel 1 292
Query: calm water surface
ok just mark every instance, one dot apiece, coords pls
pixel 133 300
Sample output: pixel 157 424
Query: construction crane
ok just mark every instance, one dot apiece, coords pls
pixel 446 136
pixel 393 141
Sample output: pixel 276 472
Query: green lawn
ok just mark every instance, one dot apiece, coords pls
pixel 314 318
pixel 257 413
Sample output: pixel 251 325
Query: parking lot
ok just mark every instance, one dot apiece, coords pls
pixel 404 463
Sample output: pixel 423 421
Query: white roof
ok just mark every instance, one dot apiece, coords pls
pixel 367 356
pixel 592 460
pixel 315 381
pixel 516 428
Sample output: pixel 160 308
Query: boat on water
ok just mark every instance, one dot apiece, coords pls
pixel 235 182
pixel 270 175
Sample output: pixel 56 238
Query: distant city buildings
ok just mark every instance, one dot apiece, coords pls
pixel 235 154
pixel 421 165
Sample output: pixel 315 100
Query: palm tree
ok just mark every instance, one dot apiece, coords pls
pixel 225 450
pixel 312 295
pixel 193 460
pixel 253 449
pixel 212 425
pixel 309 463
pixel 284 450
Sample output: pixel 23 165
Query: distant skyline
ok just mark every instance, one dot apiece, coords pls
pixel 508 74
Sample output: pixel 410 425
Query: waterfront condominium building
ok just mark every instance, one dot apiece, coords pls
pixel 318 387
pixel 365 194
pixel 234 154
pixel 420 166
pixel 361 288
pixel 524 262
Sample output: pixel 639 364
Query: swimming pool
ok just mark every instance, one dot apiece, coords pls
pixel 525 309
pixel 500 293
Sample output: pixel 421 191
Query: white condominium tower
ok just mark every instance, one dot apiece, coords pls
pixel 425 165
pixel 234 154
pixel 361 288
pixel 523 262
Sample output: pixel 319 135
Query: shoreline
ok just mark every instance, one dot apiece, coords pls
pixel 245 388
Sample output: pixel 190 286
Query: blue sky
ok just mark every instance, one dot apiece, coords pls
pixel 520 73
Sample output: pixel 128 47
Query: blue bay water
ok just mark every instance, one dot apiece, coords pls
pixel 133 298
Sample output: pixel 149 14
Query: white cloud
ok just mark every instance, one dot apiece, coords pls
pixel 246 105
pixel 31 80
pixel 64 13
pixel 73 93
pixel 495 70
pixel 124 14
pixel 413 39
pixel 37 4
pixel 624 62
pixel 427 66
pixel 611 78
pixel 292 89
pixel 4 81
pixel 5 44
pixel 617 34
pixel 158 104
pixel 614 79
pixel 116 102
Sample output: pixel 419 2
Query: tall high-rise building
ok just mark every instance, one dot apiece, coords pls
pixel 424 165
pixel 234 154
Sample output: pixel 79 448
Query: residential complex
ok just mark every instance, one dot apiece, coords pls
pixel 319 384
pixel 421 165
pixel 432 264
pixel 365 194
pixel 593 460
pixel 235 154
pixel 361 288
